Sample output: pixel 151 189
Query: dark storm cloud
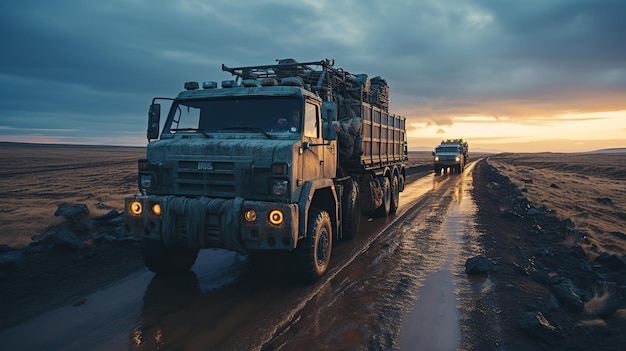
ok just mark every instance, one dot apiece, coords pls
pixel 92 67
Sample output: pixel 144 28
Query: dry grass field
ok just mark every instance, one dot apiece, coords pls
pixel 35 179
pixel 589 189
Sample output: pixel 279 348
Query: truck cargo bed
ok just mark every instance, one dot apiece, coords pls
pixel 373 140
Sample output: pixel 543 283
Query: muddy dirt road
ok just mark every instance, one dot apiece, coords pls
pixel 399 285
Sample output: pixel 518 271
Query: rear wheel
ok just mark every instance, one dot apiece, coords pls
pixel 384 208
pixel 313 251
pixel 163 259
pixel 395 194
pixel 351 205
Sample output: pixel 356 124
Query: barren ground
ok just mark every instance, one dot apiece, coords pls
pixel 546 218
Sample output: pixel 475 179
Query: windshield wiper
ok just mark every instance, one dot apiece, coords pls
pixel 184 129
pixel 201 131
pixel 249 129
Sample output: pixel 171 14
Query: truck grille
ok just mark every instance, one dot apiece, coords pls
pixel 208 178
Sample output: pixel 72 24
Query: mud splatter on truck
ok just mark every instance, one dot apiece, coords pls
pixel 283 157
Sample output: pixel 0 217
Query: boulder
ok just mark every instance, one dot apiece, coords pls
pixel 70 211
pixel 535 325
pixel 66 240
pixel 108 216
pixel 76 216
pixel 569 295
pixel 533 211
pixel 478 265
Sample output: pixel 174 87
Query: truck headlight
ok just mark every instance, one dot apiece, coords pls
pixel 276 217
pixel 457 159
pixel 280 187
pixel 146 181
pixel 135 207
pixel 436 158
pixel 250 215
pixel 156 209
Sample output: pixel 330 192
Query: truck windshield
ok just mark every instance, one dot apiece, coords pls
pixel 236 114
pixel 448 149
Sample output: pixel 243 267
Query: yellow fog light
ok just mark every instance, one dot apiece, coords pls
pixel 156 209
pixel 276 217
pixel 249 215
pixel 135 208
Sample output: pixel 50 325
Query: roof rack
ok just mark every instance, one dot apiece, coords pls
pixel 320 77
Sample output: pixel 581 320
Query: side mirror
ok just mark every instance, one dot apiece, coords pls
pixel 329 131
pixel 154 119
pixel 433 153
pixel 329 111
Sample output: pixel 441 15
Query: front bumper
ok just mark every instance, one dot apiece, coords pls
pixel 212 222
pixel 446 163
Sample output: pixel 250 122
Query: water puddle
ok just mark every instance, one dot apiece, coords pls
pixel 446 295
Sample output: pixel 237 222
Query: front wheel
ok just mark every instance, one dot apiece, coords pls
pixel 163 259
pixel 313 251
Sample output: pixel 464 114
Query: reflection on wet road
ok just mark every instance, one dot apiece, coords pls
pixel 435 320
pixel 398 284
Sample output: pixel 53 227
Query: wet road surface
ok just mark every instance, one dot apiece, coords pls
pixel 400 284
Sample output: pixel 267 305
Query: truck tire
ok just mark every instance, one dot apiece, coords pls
pixel 395 194
pixel 383 210
pixel 351 209
pixel 313 251
pixel 163 259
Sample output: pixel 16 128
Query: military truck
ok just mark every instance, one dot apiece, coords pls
pixel 281 158
pixel 450 155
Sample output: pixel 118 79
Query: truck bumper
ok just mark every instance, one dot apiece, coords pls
pixel 232 224
pixel 444 164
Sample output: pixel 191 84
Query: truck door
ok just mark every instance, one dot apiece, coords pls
pixel 313 158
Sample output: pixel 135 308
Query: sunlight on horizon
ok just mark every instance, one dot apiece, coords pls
pixel 563 133
pixel 585 132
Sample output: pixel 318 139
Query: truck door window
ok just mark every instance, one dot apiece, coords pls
pixel 186 117
pixel 311 121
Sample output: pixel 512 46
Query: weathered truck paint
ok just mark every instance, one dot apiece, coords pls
pixel 255 166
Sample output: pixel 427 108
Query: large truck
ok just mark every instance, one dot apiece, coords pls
pixel 450 155
pixel 283 157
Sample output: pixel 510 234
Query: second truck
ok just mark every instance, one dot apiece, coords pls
pixel 283 157
pixel 450 155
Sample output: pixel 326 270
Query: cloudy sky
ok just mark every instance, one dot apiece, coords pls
pixel 530 75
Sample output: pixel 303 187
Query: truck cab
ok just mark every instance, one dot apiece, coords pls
pixel 253 166
pixel 450 155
